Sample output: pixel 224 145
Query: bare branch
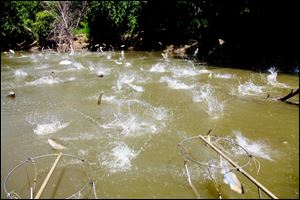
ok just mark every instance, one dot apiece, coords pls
pixel 290 95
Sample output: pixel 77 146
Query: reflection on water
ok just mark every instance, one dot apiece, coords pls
pixel 150 103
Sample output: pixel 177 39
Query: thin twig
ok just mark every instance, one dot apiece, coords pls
pixel 189 180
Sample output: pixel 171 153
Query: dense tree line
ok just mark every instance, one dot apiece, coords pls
pixel 253 33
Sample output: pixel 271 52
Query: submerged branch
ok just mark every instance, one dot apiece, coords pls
pixel 291 94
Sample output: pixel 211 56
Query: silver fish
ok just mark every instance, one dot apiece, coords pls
pixel 56 145
pixel 230 178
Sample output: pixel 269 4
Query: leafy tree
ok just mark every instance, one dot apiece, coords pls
pixel 118 20
pixel 67 17
pixel 43 26
pixel 17 18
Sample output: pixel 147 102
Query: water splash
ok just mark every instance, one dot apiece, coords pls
pixel 103 70
pixel 65 62
pixel 136 88
pixel 49 128
pixel 225 76
pixel 249 88
pixel 128 64
pixel 49 80
pixel 42 66
pixel 19 73
pixel 124 79
pixel 196 52
pixel 78 65
pixel 183 71
pixel 206 94
pixel 175 84
pixel 165 57
pixel 122 55
pixel 118 159
pixel 253 148
pixel 131 125
pixel 127 79
pixel 159 67
pixel 272 78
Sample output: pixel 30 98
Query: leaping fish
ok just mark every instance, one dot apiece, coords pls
pixel 230 178
pixel 56 145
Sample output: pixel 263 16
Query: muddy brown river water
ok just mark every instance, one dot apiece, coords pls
pixel 149 105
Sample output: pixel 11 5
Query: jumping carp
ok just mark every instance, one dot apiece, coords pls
pixel 230 178
pixel 56 145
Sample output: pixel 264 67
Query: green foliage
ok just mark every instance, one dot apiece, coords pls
pixel 85 29
pixel 17 18
pixel 123 15
pixel 145 23
pixel 42 25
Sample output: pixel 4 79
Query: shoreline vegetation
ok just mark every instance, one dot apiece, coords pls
pixel 244 34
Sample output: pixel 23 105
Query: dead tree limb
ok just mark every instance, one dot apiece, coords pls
pixel 291 94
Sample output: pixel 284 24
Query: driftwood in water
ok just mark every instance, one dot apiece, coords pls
pixel 291 94
pixel 285 98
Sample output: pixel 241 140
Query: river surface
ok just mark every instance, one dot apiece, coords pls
pixel 149 104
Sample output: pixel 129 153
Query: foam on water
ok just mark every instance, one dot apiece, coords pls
pixel 205 94
pixel 44 80
pixel 254 148
pixel 159 67
pixel 249 88
pixel 20 73
pixel 175 84
pixel 49 128
pixel 118 159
